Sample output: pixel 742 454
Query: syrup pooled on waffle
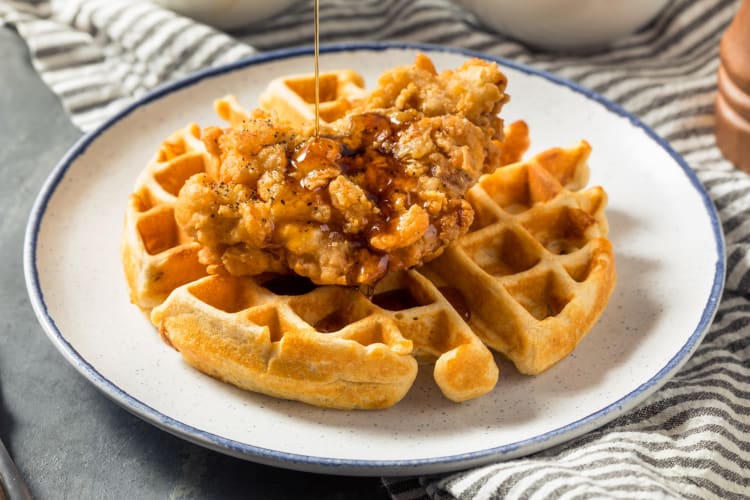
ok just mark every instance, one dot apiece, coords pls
pixel 529 280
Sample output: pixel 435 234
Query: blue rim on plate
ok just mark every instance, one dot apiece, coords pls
pixel 355 466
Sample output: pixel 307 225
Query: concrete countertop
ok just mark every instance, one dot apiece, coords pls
pixel 68 439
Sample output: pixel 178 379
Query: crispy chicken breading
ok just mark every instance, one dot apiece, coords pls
pixel 380 189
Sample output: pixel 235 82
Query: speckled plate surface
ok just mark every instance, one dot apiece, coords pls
pixel 670 258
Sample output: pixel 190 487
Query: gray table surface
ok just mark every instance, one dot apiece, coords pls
pixel 67 438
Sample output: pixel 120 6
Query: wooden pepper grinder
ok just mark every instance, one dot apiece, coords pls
pixel 733 97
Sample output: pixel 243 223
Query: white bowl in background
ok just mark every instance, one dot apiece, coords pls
pixel 564 24
pixel 227 14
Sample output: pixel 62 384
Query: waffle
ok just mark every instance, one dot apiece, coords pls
pixel 327 346
pixel 536 268
pixel 529 280
pixel 292 97
pixel 157 256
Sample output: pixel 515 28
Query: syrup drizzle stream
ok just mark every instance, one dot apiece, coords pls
pixel 317 71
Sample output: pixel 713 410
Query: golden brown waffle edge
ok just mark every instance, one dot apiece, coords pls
pixel 157 256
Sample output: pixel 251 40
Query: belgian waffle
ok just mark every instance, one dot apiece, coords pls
pixel 536 268
pixel 328 346
pixel 157 256
pixel 529 280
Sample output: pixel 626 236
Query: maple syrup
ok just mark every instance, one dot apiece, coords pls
pixel 395 300
pixel 457 300
pixel 316 57
pixel 400 299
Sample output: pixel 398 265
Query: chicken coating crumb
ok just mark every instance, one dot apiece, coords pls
pixel 380 189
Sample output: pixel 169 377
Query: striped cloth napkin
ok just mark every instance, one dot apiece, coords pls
pixel 689 440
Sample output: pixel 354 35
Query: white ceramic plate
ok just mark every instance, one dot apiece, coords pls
pixel 669 250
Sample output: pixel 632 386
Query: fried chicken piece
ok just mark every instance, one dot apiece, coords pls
pixel 381 189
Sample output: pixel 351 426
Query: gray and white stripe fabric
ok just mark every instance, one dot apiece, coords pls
pixel 689 440
pixel 100 55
